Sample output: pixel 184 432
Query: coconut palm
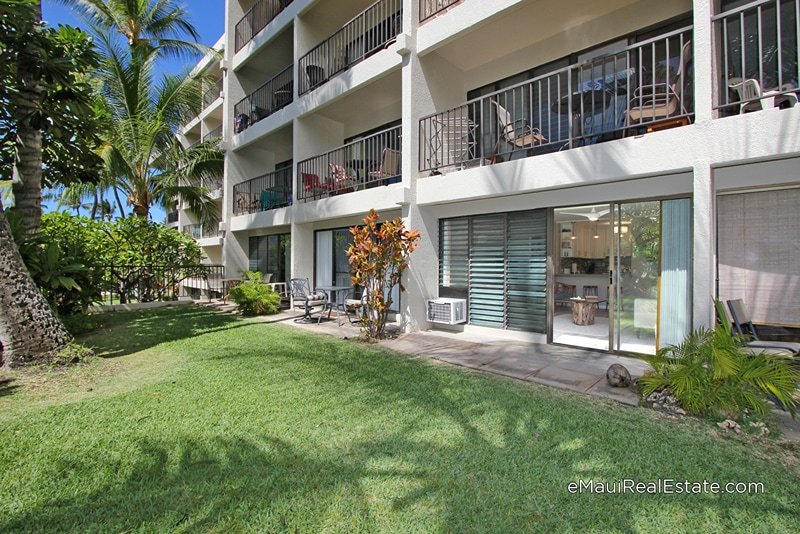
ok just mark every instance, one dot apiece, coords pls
pixel 147 26
pixel 140 150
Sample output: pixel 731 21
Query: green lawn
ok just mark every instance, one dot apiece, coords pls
pixel 197 421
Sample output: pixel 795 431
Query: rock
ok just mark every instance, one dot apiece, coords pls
pixel 618 376
pixel 729 424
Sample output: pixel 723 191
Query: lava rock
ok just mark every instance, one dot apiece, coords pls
pixel 618 376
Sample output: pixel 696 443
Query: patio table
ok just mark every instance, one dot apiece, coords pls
pixel 334 301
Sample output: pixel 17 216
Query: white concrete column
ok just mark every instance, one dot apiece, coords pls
pixel 704 246
pixel 303 251
pixel 704 80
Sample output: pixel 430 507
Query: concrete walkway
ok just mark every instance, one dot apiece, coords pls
pixel 583 371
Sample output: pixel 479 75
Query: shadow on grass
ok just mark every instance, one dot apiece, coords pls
pixel 7 386
pixel 122 333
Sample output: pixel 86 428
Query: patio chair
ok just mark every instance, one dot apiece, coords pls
pixel 563 293
pixel 660 100
pixel 306 300
pixel 452 142
pixel 390 166
pixel 269 199
pixel 339 181
pixel 743 325
pixel 353 305
pixel 752 98
pixel 312 185
pixel 518 132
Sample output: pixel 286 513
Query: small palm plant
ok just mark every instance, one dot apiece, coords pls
pixel 712 373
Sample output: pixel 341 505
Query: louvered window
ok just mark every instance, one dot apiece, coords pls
pixel 498 262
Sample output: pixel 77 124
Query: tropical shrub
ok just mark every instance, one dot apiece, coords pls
pixel 379 256
pixel 254 297
pixel 711 373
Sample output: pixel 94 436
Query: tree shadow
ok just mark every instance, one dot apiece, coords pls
pixel 7 386
pixel 145 329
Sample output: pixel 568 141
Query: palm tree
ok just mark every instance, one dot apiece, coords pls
pixel 148 26
pixel 29 331
pixel 140 150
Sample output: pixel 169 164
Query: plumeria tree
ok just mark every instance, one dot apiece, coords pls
pixel 379 256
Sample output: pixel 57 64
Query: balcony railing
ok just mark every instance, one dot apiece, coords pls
pixel 758 45
pixel 369 32
pixel 212 93
pixel 270 191
pixel 368 162
pixel 216 133
pixel 428 8
pixel 645 87
pixel 276 93
pixel 197 231
pixel 255 20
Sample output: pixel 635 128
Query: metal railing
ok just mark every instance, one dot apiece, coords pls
pixel 212 93
pixel 757 45
pixel 368 162
pixel 151 283
pixel 256 19
pixel 428 8
pixel 276 93
pixel 644 87
pixel 198 231
pixel 269 191
pixel 216 133
pixel 367 33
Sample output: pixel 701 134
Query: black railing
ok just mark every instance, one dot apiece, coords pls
pixel 428 8
pixel 152 283
pixel 367 33
pixel 212 93
pixel 645 87
pixel 269 191
pixel 758 46
pixel 276 93
pixel 216 133
pixel 368 162
pixel 255 20
pixel 172 216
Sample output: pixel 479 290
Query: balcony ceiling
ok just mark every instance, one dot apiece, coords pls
pixel 373 97
pixel 533 30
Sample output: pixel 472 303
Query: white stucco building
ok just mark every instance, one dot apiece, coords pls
pixel 644 152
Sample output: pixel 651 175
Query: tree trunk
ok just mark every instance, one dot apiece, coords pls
pixel 119 203
pixel 27 185
pixel 29 331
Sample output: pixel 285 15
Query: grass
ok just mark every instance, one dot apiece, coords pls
pixel 196 421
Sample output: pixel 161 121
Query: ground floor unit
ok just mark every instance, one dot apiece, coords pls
pixel 624 266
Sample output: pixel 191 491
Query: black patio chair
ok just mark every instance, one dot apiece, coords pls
pixel 306 300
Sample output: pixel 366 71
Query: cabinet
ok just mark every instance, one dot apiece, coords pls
pixel 585 245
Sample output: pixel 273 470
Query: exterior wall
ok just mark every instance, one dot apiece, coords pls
pixel 430 68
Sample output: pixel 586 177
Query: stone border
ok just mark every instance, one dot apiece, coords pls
pixel 138 306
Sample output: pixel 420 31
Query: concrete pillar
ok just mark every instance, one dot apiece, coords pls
pixel 704 247
pixel 704 80
pixel 303 251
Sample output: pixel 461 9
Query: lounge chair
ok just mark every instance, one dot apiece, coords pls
pixel 743 325
pixel 660 100
pixel 339 181
pixel 390 166
pixel 518 132
pixel 312 185
pixel 306 300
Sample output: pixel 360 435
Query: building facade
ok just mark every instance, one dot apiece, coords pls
pixel 643 154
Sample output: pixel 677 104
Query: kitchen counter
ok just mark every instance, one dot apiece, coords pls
pixel 582 279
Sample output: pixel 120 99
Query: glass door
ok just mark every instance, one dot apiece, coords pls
pixel 637 254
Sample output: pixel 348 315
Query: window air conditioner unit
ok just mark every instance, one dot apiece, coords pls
pixel 447 311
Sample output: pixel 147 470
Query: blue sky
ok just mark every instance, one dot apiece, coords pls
pixel 208 16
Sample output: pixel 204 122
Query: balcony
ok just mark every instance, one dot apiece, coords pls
pixel 758 45
pixel 197 231
pixel 269 191
pixel 642 88
pixel 216 133
pixel 366 34
pixel 212 93
pixel 429 8
pixel 275 94
pixel 368 162
pixel 255 20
